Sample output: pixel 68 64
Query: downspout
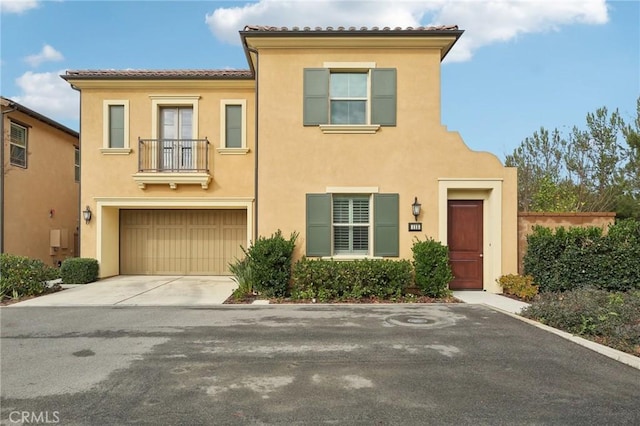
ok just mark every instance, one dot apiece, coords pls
pixel 79 227
pixel 255 168
pixel 11 109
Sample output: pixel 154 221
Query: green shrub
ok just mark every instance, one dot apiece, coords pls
pixel 241 270
pixel 79 270
pixel 611 318
pixel 326 280
pixel 270 264
pixel 432 270
pixel 578 257
pixel 518 285
pixel 22 276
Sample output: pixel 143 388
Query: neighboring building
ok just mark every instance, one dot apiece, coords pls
pixel 40 185
pixel 181 167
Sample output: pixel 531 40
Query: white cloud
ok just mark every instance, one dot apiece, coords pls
pixel 48 94
pixel 484 22
pixel 47 53
pixel 17 6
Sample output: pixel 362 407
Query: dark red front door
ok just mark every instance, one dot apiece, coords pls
pixel 464 238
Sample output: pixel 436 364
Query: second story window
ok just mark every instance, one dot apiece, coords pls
pixel 115 131
pixel 348 98
pixel 18 145
pixel 116 126
pixel 176 138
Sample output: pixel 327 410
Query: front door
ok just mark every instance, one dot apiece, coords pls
pixel 464 237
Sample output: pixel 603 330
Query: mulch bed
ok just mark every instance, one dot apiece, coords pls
pixel 9 301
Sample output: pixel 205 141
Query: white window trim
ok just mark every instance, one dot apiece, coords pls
pixel 222 149
pixel 106 126
pixel 25 147
pixel 352 128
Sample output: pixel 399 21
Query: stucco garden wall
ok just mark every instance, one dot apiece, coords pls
pixel 528 220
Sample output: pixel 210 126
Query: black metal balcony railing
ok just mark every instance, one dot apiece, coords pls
pixel 173 155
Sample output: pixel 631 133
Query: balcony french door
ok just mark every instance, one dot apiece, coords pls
pixel 177 150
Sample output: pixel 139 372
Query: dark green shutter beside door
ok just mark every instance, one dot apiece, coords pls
pixel 386 227
pixel 316 96
pixel 318 225
pixel 383 96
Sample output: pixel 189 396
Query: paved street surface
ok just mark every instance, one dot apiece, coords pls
pixel 305 364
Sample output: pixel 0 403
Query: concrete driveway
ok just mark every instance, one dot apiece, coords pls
pixel 142 290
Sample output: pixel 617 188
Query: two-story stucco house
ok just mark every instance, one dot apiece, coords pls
pixel 333 133
pixel 40 185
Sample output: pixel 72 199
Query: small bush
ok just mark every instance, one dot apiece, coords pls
pixel 330 280
pixel 432 269
pixel 22 276
pixel 79 270
pixel 270 264
pixel 610 318
pixel 241 270
pixel 518 285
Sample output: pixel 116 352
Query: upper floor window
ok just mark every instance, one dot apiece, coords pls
pixel 76 163
pixel 116 127
pixel 233 124
pixel 18 145
pixel 351 97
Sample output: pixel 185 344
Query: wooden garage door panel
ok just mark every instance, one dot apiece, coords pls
pixel 189 242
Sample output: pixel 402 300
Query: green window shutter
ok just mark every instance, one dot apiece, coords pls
pixel 383 96
pixel 316 96
pixel 233 129
pixel 386 227
pixel 116 126
pixel 318 225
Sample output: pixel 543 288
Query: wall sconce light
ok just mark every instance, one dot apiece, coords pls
pixel 415 208
pixel 86 214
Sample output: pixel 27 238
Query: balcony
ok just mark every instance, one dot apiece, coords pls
pixel 173 162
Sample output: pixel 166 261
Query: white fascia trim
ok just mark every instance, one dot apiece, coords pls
pixel 105 124
pixel 349 65
pixel 223 124
pixel 352 190
pixel 172 100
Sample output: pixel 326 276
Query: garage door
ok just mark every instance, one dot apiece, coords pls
pixel 181 242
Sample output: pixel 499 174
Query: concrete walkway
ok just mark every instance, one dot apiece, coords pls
pixel 494 300
pixel 136 290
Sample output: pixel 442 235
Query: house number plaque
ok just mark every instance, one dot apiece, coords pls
pixel 415 226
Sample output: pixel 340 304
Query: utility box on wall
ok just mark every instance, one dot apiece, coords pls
pixel 58 239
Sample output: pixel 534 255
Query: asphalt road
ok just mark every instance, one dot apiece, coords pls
pixel 313 364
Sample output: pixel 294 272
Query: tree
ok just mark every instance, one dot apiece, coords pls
pixel 590 169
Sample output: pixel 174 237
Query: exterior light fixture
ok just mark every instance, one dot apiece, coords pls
pixel 86 214
pixel 415 208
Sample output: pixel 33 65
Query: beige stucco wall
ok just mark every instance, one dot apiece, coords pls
pixel 42 197
pixel 107 179
pixel 410 158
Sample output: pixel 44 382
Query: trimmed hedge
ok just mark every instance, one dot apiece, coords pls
pixel 578 257
pixel 79 270
pixel 22 276
pixel 431 263
pixel 326 280
pixel 518 285
pixel 269 260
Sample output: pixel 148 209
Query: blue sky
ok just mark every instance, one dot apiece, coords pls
pixel 521 64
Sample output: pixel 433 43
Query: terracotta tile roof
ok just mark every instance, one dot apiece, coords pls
pixel 264 28
pixel 158 74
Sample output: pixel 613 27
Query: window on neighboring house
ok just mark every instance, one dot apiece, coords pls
pixel 18 145
pixel 233 139
pixel 77 163
pixel 116 127
pixel 343 225
pixel 334 96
